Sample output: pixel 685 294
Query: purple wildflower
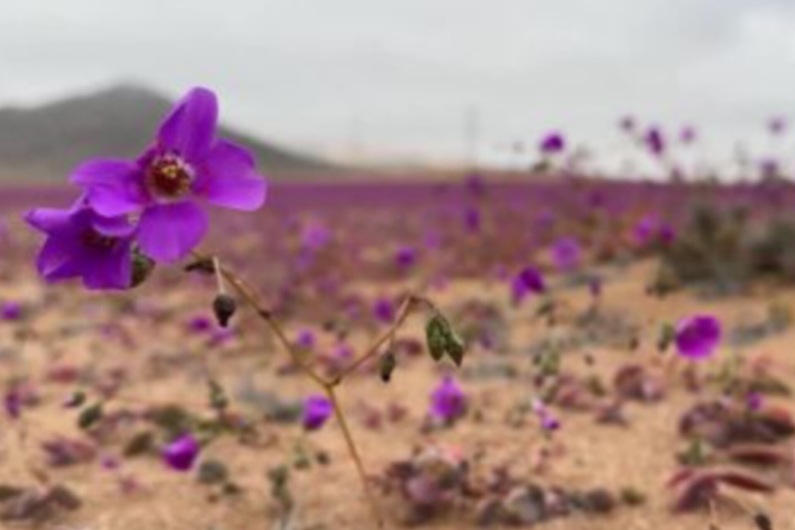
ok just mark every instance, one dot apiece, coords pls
pixel 698 336
pixel 200 324
pixel 306 339
pixel 185 164
pixel 687 135
pixel 566 253
pixel 472 220
pixel 627 124
pixel 12 402
pixel 315 236
pixel 552 143
pixel 654 141
pixel 528 281
pixel 317 411
pixel 10 311
pixel 82 243
pixel 384 310
pixel 777 125
pixel 448 401
pixel 182 453
pixel 405 257
pixel 549 423
pixel 754 401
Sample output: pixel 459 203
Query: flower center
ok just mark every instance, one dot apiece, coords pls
pixel 94 239
pixel 168 177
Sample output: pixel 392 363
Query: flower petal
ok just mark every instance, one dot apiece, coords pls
pixel 54 259
pixel 168 232
pixel 190 127
pixel 109 269
pixel 113 187
pixel 228 178
pixel 48 219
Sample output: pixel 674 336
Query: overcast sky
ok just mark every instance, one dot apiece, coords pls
pixel 399 75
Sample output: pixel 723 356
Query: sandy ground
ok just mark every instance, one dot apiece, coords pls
pixel 329 496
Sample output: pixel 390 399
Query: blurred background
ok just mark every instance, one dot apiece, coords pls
pixel 415 84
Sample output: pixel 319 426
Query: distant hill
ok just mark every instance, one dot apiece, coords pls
pixel 47 142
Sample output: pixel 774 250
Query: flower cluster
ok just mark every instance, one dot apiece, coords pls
pixel 134 213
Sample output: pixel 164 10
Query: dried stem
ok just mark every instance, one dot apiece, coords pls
pixel 328 386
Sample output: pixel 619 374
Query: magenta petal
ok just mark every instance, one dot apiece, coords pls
pixel 229 178
pixel 168 232
pixel 113 187
pixel 54 259
pixel 109 270
pixel 48 219
pixel 190 128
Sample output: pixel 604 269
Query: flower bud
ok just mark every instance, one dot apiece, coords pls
pixel 224 307
pixel 386 365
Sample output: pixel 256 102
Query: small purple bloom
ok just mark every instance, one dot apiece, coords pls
pixel 595 286
pixel 448 401
pixel 384 310
pixel 305 340
pixel 12 402
pixel 200 324
pixel 182 453
pixel 528 281
pixel 687 135
pixel 10 311
pixel 317 411
pixel 475 184
pixel 627 124
pixel 315 236
pixel 566 253
pixel 81 243
pixel 405 257
pixel 548 421
pixel 777 125
pixel 754 401
pixel 552 143
pixel 186 164
pixel 698 336
pixel 654 141
pixel 472 220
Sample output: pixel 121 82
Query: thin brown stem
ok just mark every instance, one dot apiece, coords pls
pixel 354 452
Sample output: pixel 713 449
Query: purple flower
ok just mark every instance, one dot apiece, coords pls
pixel 317 411
pixel 448 401
pixel 181 453
pixel 81 243
pixel 528 281
pixel 405 257
pixel 11 311
pixel 627 124
pixel 777 125
pixel 548 421
pixel 687 135
pixel 654 141
pixel 566 253
pixel 384 310
pixel 698 336
pixel 552 143
pixel 475 184
pixel 200 324
pixel 305 340
pixel 185 164
pixel 315 236
pixel 12 402
pixel 472 220
pixel 754 401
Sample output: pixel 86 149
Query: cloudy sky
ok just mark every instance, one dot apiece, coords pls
pixel 401 76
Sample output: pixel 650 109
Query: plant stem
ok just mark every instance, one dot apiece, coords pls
pixel 328 385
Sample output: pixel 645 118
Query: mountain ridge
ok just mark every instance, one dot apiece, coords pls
pixel 47 142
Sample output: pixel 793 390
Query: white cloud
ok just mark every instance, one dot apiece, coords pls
pixel 405 71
